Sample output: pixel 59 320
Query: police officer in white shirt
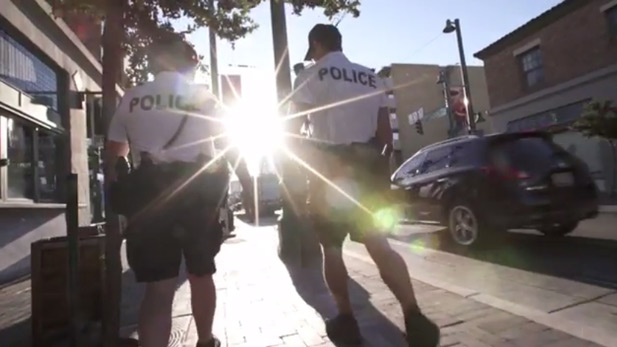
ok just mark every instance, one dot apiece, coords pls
pixel 174 202
pixel 351 142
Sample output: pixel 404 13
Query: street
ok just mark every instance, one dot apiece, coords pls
pixel 588 255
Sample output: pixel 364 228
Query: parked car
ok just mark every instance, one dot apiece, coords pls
pixel 481 186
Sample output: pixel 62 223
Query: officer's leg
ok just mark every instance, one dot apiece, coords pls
pixel 335 273
pixel 155 258
pixel 331 234
pixel 155 313
pixel 202 242
pixel 392 269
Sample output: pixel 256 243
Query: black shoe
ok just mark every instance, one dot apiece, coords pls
pixel 421 331
pixel 212 343
pixel 343 329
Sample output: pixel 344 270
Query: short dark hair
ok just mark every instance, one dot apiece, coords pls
pixel 327 35
pixel 175 48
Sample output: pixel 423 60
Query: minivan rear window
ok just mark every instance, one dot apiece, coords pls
pixel 528 154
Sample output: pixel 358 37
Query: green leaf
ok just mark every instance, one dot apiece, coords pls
pixel 599 119
pixel 148 20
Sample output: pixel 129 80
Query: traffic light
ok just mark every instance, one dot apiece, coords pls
pixel 419 128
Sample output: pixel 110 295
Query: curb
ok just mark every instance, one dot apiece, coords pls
pixel 569 327
pixel 14 281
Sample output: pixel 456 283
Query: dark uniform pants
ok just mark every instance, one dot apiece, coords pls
pixel 360 175
pixel 177 216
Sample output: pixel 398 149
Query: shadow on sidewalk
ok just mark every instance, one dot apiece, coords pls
pixel 376 328
pixel 17 334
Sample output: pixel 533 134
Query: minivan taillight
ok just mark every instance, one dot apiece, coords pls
pixel 508 174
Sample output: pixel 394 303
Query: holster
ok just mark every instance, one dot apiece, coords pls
pixel 177 183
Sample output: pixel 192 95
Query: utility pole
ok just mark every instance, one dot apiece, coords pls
pixel 297 243
pixel 444 80
pixel 452 26
pixel 214 60
pixel 281 52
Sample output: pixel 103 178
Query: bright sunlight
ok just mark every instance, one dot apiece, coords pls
pixel 254 128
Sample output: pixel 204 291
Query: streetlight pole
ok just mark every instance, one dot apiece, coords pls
pixel 456 26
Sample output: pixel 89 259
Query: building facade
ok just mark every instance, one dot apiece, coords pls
pixel 541 75
pixel 46 125
pixel 430 104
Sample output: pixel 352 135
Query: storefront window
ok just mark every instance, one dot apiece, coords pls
pixel 545 120
pixel 20 170
pixel 33 163
pixel 47 169
pixel 21 68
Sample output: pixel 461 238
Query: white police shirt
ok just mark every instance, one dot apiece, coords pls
pixel 346 97
pixel 150 114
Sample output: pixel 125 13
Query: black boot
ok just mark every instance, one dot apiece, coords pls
pixel 212 343
pixel 343 329
pixel 421 331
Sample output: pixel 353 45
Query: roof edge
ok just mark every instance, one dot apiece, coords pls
pixel 543 20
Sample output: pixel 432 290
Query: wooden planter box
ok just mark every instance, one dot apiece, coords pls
pixel 49 267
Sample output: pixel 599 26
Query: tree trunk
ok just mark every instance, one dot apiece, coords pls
pixel 112 65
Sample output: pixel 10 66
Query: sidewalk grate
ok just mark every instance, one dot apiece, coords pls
pixel 175 340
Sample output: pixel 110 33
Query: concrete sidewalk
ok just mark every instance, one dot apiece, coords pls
pixel 263 303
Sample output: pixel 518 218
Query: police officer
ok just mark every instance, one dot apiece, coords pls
pixel 176 202
pixel 352 139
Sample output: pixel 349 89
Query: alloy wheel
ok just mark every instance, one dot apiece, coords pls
pixel 463 225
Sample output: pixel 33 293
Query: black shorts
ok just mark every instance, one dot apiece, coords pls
pixel 178 221
pixel 362 174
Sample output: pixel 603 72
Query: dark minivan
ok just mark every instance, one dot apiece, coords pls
pixel 480 186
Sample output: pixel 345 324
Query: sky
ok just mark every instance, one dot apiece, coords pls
pixel 386 32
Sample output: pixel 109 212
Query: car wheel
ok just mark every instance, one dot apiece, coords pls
pixel 557 230
pixel 467 229
pixel 463 225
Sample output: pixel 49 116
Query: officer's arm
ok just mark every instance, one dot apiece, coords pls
pixel 113 151
pixel 384 131
pixel 299 111
pixel 303 99
pixel 117 144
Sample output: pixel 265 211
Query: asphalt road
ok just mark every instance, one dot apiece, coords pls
pixel 588 255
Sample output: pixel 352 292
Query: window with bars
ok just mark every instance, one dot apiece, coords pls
pixel 23 70
pixel 532 67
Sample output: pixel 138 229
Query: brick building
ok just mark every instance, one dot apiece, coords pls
pixel 46 123
pixel 542 74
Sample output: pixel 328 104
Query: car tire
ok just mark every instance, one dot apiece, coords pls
pixel 466 228
pixel 559 230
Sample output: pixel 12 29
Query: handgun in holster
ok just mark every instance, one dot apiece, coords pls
pixel 123 167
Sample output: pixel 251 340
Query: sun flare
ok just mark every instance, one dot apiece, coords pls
pixel 255 129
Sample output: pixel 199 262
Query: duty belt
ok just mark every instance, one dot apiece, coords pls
pixel 213 167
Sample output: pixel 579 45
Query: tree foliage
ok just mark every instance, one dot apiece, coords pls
pixel 146 21
pixel 599 119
